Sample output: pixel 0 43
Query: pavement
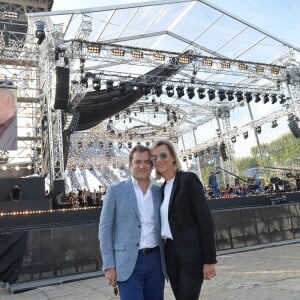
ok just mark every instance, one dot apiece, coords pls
pixel 271 273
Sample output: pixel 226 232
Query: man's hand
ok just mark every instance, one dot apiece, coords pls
pixel 209 271
pixel 111 276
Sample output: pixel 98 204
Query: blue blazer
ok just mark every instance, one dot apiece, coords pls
pixel 120 228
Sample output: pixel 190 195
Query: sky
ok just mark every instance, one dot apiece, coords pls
pixel 279 17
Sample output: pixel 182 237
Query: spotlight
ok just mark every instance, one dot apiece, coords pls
pixel 259 69
pixel 239 96
pixel 185 60
pixel 159 57
pixel 40 31
pixel 245 135
pixel 273 98
pixel 257 98
pixel 275 71
pixel 230 96
pixel 170 90
pixel 225 64
pixel 137 54
pixel 146 89
pixel 282 99
pixel 207 62
pixel 190 92
pixel 184 158
pixel 258 129
pixel 93 48
pixel 222 95
pixel 84 80
pixel 233 139
pixel 274 124
pixel 180 91
pixel 201 92
pixel 211 94
pixel 243 67
pixel 109 85
pixel 96 83
pixel 118 52
pixel 158 90
pixel 248 96
pixel 266 98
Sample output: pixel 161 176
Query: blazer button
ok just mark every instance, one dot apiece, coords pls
pixel 137 244
pixel 139 226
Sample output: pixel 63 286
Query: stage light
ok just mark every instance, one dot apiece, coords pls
pixel 109 85
pixel 245 135
pixel 222 95
pixel 40 31
pixel 259 69
pixel 96 83
pixel 248 97
pixel 184 158
pixel 257 98
pixel 230 95
pixel 159 57
pixel 146 89
pixel 137 54
pixel 225 64
pixel 118 52
pixel 243 67
pixel 185 60
pixel 233 139
pixel 10 15
pixel 211 94
pixel 282 99
pixel 266 98
pixel 84 81
pixel 207 62
pixel 120 145
pixel 239 96
pixel 141 108
pixel 275 71
pixel 201 92
pixel 93 48
pixel 180 91
pixel 190 92
pixel 170 90
pixel 158 90
pixel 274 124
pixel 273 98
pixel 258 129
pixel 129 144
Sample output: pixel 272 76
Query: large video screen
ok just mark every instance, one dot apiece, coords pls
pixel 8 119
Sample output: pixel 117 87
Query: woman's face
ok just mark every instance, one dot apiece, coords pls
pixel 163 161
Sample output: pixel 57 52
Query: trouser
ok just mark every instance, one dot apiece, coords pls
pixel 147 280
pixel 185 285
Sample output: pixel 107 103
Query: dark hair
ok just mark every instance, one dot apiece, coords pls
pixel 137 148
pixel 171 149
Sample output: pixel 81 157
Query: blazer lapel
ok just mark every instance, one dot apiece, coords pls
pixel 132 197
pixel 175 184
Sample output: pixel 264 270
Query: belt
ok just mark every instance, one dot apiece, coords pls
pixel 146 251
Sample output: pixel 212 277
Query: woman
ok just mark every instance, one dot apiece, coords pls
pixel 186 225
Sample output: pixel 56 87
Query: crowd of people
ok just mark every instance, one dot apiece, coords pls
pixel 80 198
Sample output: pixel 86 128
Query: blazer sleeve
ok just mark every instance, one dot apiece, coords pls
pixel 204 219
pixel 106 227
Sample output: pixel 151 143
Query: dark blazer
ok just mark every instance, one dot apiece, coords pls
pixel 191 223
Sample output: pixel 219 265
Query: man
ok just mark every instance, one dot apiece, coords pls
pixel 129 233
pixel 8 119
pixel 213 183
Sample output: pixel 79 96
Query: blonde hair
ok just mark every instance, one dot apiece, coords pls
pixel 171 149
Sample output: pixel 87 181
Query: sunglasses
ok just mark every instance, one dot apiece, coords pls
pixel 162 156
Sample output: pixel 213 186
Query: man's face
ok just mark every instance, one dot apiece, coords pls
pixel 141 166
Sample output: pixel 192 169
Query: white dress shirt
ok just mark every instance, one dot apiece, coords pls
pixel 164 211
pixel 146 209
